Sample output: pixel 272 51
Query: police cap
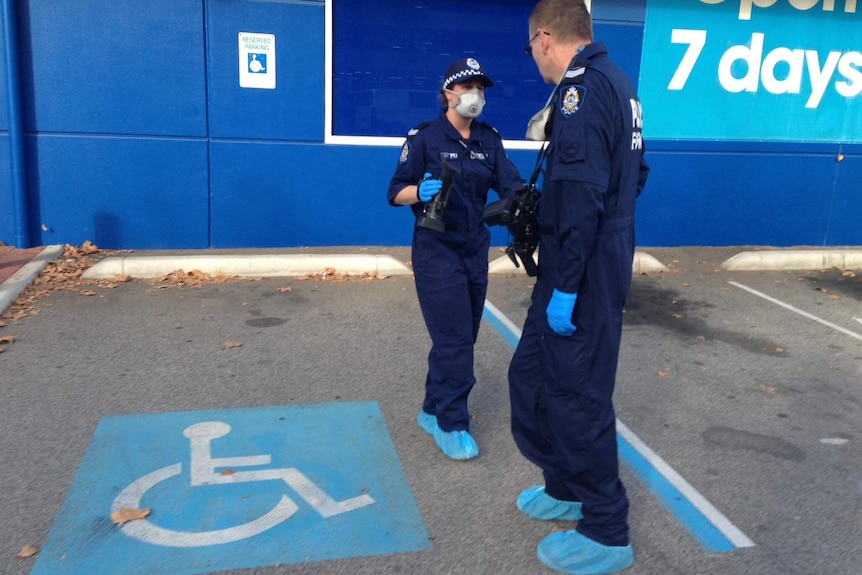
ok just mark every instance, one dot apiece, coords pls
pixel 465 69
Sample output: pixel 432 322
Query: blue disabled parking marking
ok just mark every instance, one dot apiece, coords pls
pixel 234 489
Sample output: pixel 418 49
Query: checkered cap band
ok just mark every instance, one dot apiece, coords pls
pixel 463 70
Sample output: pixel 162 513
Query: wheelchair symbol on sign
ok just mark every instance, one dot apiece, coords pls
pixel 202 471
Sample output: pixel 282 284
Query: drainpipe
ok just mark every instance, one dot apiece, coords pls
pixel 16 136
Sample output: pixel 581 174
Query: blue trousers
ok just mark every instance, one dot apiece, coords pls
pixel 451 283
pixel 561 390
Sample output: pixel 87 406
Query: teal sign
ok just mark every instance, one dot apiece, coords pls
pixel 770 70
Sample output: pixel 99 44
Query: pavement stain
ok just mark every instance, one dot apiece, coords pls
pixel 768 444
pixel 835 282
pixel 649 304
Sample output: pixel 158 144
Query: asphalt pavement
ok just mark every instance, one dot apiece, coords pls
pixel 738 395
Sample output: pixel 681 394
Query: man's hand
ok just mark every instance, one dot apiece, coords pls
pixel 429 188
pixel 559 312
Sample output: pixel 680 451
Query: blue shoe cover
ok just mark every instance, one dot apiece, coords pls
pixel 427 422
pixel 454 444
pixel 571 552
pixel 537 504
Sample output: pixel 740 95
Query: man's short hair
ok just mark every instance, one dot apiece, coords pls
pixel 567 20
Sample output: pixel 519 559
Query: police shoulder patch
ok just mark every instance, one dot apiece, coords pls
pixel 414 131
pixel 405 149
pixel 571 99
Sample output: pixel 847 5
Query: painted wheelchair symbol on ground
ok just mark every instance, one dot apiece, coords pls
pixel 235 489
pixel 203 472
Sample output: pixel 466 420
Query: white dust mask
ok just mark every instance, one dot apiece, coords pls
pixel 470 103
pixel 536 125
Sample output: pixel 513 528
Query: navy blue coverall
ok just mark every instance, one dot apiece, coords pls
pixel 561 387
pixel 451 267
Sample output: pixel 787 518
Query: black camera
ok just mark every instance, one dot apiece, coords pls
pixel 520 215
pixel 432 213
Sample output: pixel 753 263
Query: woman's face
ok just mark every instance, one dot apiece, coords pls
pixel 462 87
pixel 468 85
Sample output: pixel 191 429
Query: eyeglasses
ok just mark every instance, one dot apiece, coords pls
pixel 528 49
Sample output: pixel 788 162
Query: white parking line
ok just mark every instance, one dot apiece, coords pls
pixel 704 521
pixel 674 480
pixel 799 311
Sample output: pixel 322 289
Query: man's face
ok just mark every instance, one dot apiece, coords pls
pixel 538 36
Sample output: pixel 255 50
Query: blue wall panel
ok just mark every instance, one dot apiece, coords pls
pixel 301 195
pixel 306 195
pixel 389 60
pixel 294 109
pixel 725 198
pixel 4 102
pixel 101 66
pixel 619 10
pixel 623 42
pixel 845 223
pixel 7 221
pixel 143 193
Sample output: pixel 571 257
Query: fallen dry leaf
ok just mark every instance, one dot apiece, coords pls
pixel 779 349
pixel 127 514
pixel 7 339
pixel 767 388
pixel 663 373
pixel 194 279
pixel 284 289
pixel 834 297
pixel 330 274
pixel 88 292
pixel 27 551
pixel 227 472
pixel 61 274
pixel 231 344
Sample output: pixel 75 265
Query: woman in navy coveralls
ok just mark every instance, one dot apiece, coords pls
pixel 451 267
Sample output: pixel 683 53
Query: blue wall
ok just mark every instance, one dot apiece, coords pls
pixel 139 136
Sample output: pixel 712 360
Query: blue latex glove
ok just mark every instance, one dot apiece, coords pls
pixel 429 188
pixel 559 312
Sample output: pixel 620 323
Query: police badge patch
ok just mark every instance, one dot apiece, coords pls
pixel 405 151
pixel 572 100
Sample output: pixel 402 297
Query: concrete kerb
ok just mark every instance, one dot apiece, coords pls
pixel 274 265
pixel 795 259
pixel 266 265
pixel 17 282
pixel 643 263
pixel 277 265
